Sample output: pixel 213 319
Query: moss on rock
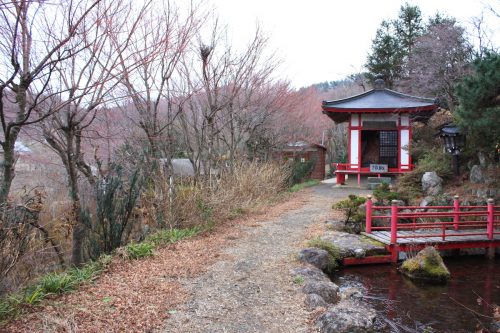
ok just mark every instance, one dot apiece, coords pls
pixel 426 265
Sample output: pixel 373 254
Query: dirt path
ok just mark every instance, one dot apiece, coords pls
pixel 250 289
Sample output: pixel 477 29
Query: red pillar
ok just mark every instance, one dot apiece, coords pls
pixel 394 221
pixel 349 129
pixel 491 209
pixel 359 148
pixel 369 205
pixel 456 211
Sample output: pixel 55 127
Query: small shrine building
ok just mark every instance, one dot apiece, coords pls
pixel 379 132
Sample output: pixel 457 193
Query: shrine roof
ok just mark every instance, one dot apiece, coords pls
pixel 380 99
pixel 377 100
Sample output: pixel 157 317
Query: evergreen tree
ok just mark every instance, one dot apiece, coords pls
pixel 386 56
pixel 479 103
pixel 408 27
pixel 440 19
pixel 393 44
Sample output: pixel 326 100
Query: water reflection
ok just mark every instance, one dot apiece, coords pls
pixel 465 304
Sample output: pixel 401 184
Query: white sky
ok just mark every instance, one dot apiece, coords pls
pixel 325 40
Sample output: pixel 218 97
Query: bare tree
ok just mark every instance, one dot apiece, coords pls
pixel 89 77
pixel 35 40
pixel 482 34
pixel 232 96
pixel 250 118
pixel 440 59
pixel 152 82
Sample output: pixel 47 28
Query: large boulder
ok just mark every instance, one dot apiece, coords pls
pixel 314 301
pixel 483 159
pixel 426 265
pixel 352 293
pixel 328 290
pixel 431 183
pixel 476 175
pixel 310 274
pixel 351 245
pixel 427 201
pixel 347 316
pixel 317 257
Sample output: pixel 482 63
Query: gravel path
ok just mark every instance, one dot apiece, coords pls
pixel 250 288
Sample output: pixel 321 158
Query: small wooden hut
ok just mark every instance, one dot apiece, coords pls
pixel 303 152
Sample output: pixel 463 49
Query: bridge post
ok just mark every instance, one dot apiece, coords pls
pixel 456 210
pixel 394 221
pixel 369 205
pixel 491 209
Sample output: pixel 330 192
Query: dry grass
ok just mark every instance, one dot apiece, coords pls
pixel 39 256
pixel 250 183
pixel 250 187
pixel 137 296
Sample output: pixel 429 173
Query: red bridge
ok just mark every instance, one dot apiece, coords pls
pixel 411 228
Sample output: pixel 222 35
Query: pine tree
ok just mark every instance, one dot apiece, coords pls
pixel 386 57
pixel 393 44
pixel 408 27
pixel 479 103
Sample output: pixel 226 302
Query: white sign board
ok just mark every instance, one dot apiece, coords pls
pixel 378 168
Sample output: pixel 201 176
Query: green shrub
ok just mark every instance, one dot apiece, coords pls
pixel 206 211
pixel 301 171
pixel 333 252
pixel 116 198
pixel 9 306
pixel 409 185
pixel 384 195
pixel 164 237
pixel 435 160
pixel 52 283
pixel 34 296
pixel 139 250
pixel 298 279
pixel 57 283
pixel 354 215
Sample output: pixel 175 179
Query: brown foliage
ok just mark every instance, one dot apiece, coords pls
pixel 249 186
pixel 138 296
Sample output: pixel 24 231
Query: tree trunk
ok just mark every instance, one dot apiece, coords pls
pixel 79 227
pixel 69 156
pixel 7 166
pixel 11 134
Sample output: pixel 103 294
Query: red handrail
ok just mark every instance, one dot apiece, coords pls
pixel 449 217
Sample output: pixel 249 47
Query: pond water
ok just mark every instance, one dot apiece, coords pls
pixel 465 304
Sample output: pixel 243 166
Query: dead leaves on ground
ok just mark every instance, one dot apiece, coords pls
pixel 138 296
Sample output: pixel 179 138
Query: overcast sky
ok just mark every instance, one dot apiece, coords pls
pixel 324 40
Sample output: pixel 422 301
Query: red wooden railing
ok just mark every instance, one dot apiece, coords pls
pixel 470 220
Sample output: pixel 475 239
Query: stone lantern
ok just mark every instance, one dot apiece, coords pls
pixel 454 142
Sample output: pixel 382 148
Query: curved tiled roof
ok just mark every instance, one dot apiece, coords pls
pixel 380 100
